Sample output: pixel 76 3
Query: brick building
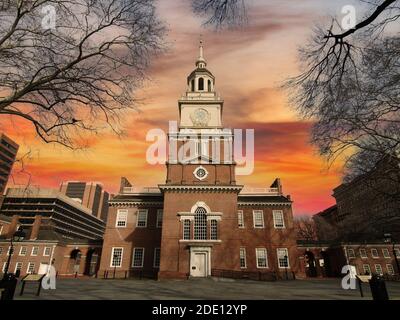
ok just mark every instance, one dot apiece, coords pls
pixel 200 222
pixel 58 230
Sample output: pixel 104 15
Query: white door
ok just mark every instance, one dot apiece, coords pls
pixel 199 265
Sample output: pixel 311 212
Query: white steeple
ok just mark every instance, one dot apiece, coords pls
pixel 201 62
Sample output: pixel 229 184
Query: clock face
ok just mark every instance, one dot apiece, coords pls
pixel 200 117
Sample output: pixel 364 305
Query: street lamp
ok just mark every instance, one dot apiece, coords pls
pixel 389 239
pixel 115 257
pixel 17 236
pixel 286 266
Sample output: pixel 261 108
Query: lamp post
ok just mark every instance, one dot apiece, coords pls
pixel 389 239
pixel 115 265
pixel 17 236
pixel 286 266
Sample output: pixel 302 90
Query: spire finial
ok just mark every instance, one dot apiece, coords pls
pixel 201 62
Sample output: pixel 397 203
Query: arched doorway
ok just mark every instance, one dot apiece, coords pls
pixel 74 261
pixel 311 268
pixel 91 262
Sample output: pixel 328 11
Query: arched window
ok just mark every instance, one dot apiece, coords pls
pixel 192 85
pixel 201 84
pixel 200 224
pixel 209 85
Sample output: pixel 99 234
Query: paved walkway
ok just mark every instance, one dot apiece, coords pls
pixel 200 289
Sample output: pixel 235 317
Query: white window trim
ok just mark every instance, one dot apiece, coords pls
pixel 112 257
pixel 133 258
pixel 266 258
pixel 274 212
pixel 1 229
pixel 16 265
pixel 287 255
pixel 121 211
pixel 380 267
pixel 245 257
pixel 353 255
pixel 391 266
pixel 241 219
pixel 388 253
pixel 4 267
pixel 377 254
pixel 20 251
pixel 158 218
pixel 366 254
pixel 137 219
pixel 44 252
pixel 154 258
pixel 369 268
pixel 34 255
pixel 254 219
pixel 29 264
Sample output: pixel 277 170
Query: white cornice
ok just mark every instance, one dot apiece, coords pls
pixel 212 188
pixel 264 203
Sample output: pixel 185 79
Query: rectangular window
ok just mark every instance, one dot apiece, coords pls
pixel 159 218
pixel 350 253
pixel 213 229
pixel 397 253
pixel 374 253
pixel 261 256
pixel 363 253
pixel 367 269
pixel 186 229
pixel 385 253
pixel 279 221
pixel 35 251
pixel 18 266
pixel 9 251
pixel 138 257
pixel 31 268
pixel 390 269
pixel 240 219
pixel 243 263
pixel 122 218
pixel 258 218
pixel 283 258
pixel 156 261
pixel 47 251
pixel 4 267
pixel 378 269
pixel 22 251
pixel 1 250
pixel 116 257
pixel 142 219
pixel 1 229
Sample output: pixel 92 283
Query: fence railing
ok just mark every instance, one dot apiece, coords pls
pixel 253 275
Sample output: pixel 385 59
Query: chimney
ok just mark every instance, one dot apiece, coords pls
pixel 13 226
pixel 124 184
pixel 36 227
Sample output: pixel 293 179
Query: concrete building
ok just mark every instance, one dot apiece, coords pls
pixel 8 153
pixel 90 194
pixel 200 222
pixel 58 230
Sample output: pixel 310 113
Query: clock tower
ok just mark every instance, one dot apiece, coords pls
pixel 200 193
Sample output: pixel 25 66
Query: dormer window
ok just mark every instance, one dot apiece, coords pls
pixel 201 84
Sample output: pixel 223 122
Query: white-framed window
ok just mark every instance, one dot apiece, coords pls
pixel 213 229
pixel 159 218
pixel 156 260
pixel 378 269
pixel 385 253
pixel 283 258
pixel 47 251
pixel 242 257
pixel 390 269
pixel 35 251
pixel 363 253
pixel 1 251
pixel 186 229
pixel 1 229
pixel 258 218
pixel 116 257
pixel 9 251
pixel 122 218
pixel 142 219
pixel 261 257
pixel 279 220
pixel 397 253
pixel 22 251
pixel 350 253
pixel 4 267
pixel 31 268
pixel 374 253
pixel 18 266
pixel 367 269
pixel 240 219
pixel 138 257
pixel 200 224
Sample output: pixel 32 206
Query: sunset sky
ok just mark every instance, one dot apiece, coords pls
pixel 249 65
